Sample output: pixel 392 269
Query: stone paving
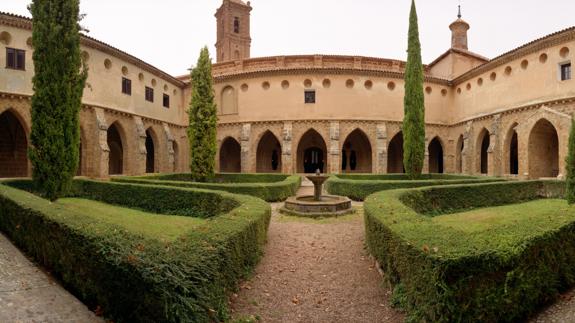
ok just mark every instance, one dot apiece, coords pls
pixel 27 294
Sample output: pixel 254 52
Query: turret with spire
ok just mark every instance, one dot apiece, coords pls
pixel 459 30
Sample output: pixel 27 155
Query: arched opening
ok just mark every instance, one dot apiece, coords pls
pixel 269 154
pixel 435 157
pixel 483 143
pixel 116 154
pixel 311 153
pixel 543 150
pixel 356 153
pixel 228 102
pixel 13 146
pixel 395 155
pixel 176 156
pixel 511 151
pixel 459 154
pixel 150 152
pixel 230 156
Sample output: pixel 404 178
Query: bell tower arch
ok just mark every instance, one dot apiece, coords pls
pixel 233 40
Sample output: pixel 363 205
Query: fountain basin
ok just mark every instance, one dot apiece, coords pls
pixel 327 206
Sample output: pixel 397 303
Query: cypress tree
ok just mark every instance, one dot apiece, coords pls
pixel 203 120
pixel 570 193
pixel 414 109
pixel 60 76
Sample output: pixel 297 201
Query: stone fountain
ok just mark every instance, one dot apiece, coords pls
pixel 317 205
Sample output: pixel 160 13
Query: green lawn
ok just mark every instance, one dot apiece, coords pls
pixel 544 214
pixel 161 227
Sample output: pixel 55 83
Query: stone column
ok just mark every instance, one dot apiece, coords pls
pixel 466 160
pixel 287 160
pixel 245 145
pixel 381 148
pixel 449 156
pixel 493 153
pixel 334 150
pixel 102 151
pixel 425 169
pixel 170 167
pixel 139 162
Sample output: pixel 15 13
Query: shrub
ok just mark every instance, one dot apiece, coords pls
pixel 570 161
pixel 268 187
pixel 443 273
pixel 137 278
pixel 358 187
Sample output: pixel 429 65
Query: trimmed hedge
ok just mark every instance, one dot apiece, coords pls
pixel 443 274
pixel 268 187
pixel 358 187
pixel 137 278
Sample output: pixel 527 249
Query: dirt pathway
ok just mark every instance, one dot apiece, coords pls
pixel 315 271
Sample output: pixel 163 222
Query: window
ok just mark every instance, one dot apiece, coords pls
pixel 310 96
pixel 565 71
pixel 236 25
pixel 15 59
pixel 149 94
pixel 126 86
pixel 166 101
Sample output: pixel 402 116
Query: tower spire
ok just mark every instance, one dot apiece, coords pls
pixel 459 11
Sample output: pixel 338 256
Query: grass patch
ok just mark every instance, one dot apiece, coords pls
pixel 163 227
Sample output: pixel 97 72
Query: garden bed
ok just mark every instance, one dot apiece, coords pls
pixel 142 253
pixel 268 187
pixel 358 187
pixel 485 252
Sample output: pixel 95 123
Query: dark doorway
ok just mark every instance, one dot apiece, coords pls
pixel 395 155
pixel 13 147
pixel 116 155
pixel 484 154
pixel 514 155
pixel 435 157
pixel 313 160
pixel 230 156
pixel 150 153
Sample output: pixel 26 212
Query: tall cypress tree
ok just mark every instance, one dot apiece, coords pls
pixel 570 194
pixel 59 80
pixel 203 120
pixel 414 109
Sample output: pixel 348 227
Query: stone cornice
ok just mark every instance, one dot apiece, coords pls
pixel 88 106
pixel 26 23
pixel 529 48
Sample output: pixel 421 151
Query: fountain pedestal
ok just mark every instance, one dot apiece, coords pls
pixel 318 205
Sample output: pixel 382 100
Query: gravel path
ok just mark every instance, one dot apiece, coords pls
pixel 315 271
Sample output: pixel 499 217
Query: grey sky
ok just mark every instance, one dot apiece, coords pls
pixel 169 33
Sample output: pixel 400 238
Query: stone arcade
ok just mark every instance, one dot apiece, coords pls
pixel 509 116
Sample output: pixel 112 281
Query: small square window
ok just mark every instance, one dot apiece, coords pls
pixel 310 97
pixel 15 59
pixel 166 101
pixel 565 71
pixel 149 94
pixel 126 86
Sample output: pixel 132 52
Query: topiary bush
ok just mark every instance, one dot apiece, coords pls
pixel 268 187
pixel 137 278
pixel 474 269
pixel 358 187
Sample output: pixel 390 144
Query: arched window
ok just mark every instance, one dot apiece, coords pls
pixel 236 25
pixel 229 105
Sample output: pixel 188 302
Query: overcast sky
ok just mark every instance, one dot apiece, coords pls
pixel 169 33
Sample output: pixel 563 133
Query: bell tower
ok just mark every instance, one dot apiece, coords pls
pixel 459 30
pixel 233 41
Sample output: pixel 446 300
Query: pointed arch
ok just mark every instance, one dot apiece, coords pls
pixel 511 151
pixel 459 154
pixel 436 158
pixel 311 153
pixel 356 153
pixel 395 155
pixel 482 144
pixel 152 156
pixel 116 145
pixel 13 145
pixel 230 156
pixel 543 150
pixel 269 154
